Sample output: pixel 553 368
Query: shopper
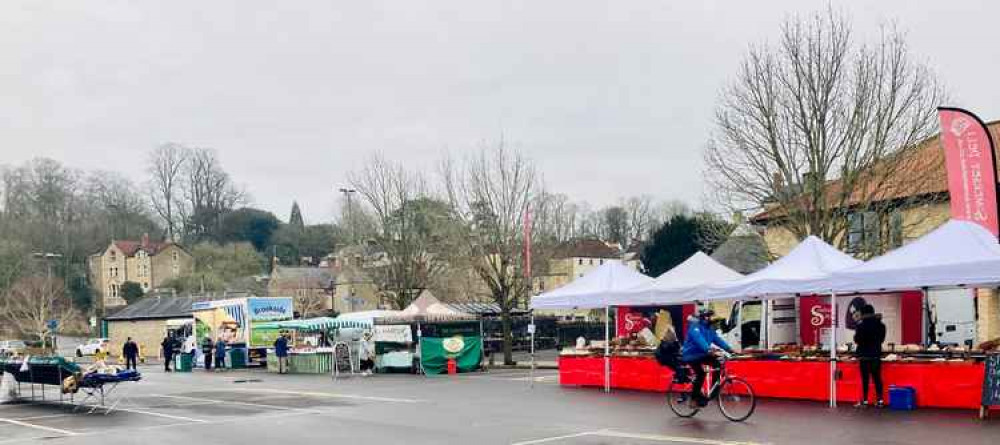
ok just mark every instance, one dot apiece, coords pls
pixel 220 355
pixel 281 352
pixel 869 333
pixel 367 354
pixel 697 352
pixel 206 350
pixel 168 352
pixel 131 353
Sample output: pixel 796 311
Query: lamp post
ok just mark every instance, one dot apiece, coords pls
pixel 350 212
pixel 49 257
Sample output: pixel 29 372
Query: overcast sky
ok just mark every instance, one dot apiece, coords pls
pixel 609 98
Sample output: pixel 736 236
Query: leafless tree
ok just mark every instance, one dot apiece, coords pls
pixel 411 228
pixel 209 193
pixel 818 128
pixel 33 301
pixel 166 167
pixel 492 191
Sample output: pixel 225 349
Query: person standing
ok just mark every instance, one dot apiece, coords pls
pixel 131 353
pixel 367 354
pixel 220 355
pixel 281 352
pixel 168 352
pixel 206 350
pixel 869 333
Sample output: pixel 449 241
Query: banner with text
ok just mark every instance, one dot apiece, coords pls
pixel 971 163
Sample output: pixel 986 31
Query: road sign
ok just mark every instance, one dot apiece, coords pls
pixel 52 325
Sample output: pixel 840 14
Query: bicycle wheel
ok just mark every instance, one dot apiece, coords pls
pixel 736 399
pixel 679 400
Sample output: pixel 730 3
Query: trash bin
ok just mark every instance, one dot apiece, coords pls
pixel 237 358
pixel 902 398
pixel 184 362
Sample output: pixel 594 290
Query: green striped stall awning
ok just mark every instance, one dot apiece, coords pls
pixel 315 324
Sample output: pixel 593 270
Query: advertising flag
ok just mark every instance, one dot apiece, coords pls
pixel 970 160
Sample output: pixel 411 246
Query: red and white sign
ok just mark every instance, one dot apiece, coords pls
pixel 814 318
pixel 969 157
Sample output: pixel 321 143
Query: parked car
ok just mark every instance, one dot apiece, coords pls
pixel 12 347
pixel 92 346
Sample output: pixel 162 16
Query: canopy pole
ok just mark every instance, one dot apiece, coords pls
pixel 765 329
pixel 531 378
pixel 833 349
pixel 607 348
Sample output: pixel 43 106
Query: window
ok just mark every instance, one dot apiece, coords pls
pixel 175 257
pixel 114 291
pixel 580 261
pixel 862 231
pixel 896 229
pixel 145 285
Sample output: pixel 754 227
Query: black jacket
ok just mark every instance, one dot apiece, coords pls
pixel 868 336
pixel 130 349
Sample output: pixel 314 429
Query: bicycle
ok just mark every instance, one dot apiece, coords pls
pixel 733 395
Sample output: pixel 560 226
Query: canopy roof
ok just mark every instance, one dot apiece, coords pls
pixel 682 284
pixel 596 289
pixel 798 272
pixel 315 324
pixel 957 254
pixel 367 316
pixel 426 305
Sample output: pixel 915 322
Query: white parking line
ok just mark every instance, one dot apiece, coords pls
pixel 610 434
pixel 238 403
pixel 331 395
pixel 39 427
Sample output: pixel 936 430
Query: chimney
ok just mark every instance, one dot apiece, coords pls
pixel 145 240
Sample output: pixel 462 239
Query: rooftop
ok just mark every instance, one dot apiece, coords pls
pixel 586 248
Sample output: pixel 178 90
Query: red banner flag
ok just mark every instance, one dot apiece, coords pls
pixel 971 162
pixel 527 244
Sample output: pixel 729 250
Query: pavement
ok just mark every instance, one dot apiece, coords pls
pixel 498 407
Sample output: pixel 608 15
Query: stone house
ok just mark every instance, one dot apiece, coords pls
pixel 311 287
pixel 147 263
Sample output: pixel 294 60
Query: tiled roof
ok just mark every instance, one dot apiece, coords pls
pixel 744 253
pixel 586 248
pixel 158 308
pixel 480 308
pixel 926 161
pixel 302 277
pixel 129 248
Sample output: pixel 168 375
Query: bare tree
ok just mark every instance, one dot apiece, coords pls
pixel 166 167
pixel 492 191
pixel 209 193
pixel 411 229
pixel 33 301
pixel 818 129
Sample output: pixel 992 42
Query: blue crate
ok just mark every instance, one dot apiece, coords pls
pixel 902 398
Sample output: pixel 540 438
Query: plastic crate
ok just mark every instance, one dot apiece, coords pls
pixel 902 398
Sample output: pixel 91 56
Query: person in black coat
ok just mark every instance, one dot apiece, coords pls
pixel 869 334
pixel 131 353
pixel 168 345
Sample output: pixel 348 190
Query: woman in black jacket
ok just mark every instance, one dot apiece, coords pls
pixel 869 334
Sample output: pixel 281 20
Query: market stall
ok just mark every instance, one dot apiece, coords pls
pixel 311 342
pixel 598 289
pixel 446 340
pixel 820 279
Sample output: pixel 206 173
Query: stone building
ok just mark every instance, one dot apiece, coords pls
pixel 311 287
pixel 145 262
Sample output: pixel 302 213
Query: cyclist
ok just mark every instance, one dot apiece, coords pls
pixel 697 351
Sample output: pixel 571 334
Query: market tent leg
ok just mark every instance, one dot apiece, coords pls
pixel 833 349
pixel 531 328
pixel 607 348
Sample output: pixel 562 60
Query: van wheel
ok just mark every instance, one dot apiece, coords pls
pixel 78 353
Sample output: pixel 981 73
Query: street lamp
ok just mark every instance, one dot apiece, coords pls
pixel 49 257
pixel 350 214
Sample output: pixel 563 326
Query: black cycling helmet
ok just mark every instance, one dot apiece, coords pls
pixel 706 313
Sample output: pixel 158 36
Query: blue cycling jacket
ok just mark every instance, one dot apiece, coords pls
pixel 699 340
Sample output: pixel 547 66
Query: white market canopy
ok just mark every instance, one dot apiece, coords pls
pixel 801 271
pixel 957 254
pixel 426 305
pixel 596 289
pixel 685 283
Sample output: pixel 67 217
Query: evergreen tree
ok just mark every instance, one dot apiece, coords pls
pixel 295 219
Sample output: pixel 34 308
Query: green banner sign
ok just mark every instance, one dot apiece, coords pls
pixel 466 350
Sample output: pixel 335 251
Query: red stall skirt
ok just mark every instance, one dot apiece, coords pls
pixel 938 385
